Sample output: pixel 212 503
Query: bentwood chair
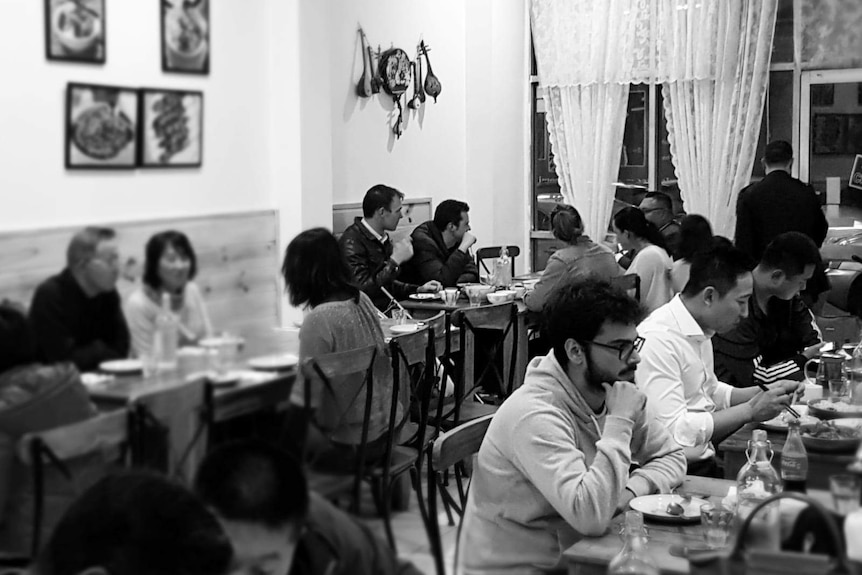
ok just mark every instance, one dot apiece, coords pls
pixel 449 451
pixel 492 252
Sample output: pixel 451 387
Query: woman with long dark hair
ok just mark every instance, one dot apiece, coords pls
pixel 340 318
pixel 695 235
pixel 580 258
pixel 651 262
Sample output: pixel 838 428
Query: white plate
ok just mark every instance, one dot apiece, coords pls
pixel 780 422
pixel 221 341
pixel 655 507
pixel 225 380
pixel 404 328
pixel 421 296
pixel 122 366
pixel 274 362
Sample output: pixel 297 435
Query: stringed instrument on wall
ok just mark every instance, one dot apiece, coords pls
pixel 365 86
pixel 432 83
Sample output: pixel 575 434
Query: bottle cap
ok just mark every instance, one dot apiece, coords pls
pixel 758 435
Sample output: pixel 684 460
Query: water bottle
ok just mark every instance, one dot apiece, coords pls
pixel 166 336
pixel 503 269
pixel 794 460
pixel 758 480
pixel 633 558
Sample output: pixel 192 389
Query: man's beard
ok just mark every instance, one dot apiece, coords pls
pixel 596 377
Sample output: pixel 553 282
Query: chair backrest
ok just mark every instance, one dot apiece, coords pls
pixel 628 282
pixel 501 320
pixel 170 428
pixel 459 443
pixel 82 453
pixel 489 252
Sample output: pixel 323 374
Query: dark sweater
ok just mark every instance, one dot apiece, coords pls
pixel 70 326
pixel 432 260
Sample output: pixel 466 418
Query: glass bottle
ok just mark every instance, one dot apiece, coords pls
pixel 794 460
pixel 855 373
pixel 166 336
pixel 758 480
pixel 633 558
pixel 503 269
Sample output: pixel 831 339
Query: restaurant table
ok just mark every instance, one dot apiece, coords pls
pixel 428 307
pixel 591 555
pixel 820 465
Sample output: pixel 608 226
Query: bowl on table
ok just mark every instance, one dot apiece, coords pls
pixel 834 436
pixel 477 293
pixel 501 296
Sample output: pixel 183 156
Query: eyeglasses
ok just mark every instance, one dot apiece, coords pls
pixel 625 350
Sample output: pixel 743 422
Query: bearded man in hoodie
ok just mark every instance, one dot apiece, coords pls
pixel 555 463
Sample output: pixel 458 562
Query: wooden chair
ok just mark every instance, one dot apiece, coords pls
pixel 492 252
pixel 81 453
pixel 628 283
pixel 449 451
pixel 170 428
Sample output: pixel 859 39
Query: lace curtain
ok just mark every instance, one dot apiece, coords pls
pixel 712 57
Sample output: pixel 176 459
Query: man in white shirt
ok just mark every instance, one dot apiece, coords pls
pixel 676 370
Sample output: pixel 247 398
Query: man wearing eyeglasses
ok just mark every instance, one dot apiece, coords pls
pixel 677 370
pixel 76 315
pixel 554 465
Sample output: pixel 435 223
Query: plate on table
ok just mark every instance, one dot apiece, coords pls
pixel 780 422
pixel 423 296
pixel 404 328
pixel 227 379
pixel 122 366
pixel 274 362
pixel 655 507
pixel 834 436
pixel 827 409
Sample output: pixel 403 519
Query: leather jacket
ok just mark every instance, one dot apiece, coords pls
pixel 372 265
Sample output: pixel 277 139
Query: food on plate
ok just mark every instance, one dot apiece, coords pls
pixel 186 29
pixel 101 133
pixel 830 431
pixel 784 418
pixel 170 125
pixel 837 406
pixel 76 26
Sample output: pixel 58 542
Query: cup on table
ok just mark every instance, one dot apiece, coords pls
pixel 846 490
pixel 149 364
pixel 450 296
pixel 716 522
pixel 224 351
pixel 839 389
pixel 399 315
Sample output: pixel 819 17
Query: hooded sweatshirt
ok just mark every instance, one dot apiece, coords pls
pixel 551 471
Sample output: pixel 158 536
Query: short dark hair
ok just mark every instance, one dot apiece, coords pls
pixel 778 152
pixel 718 267
pixel 314 269
pixel 379 196
pixel 137 523
pixel 631 219
pixel 662 198
pixel 449 212
pixel 17 344
pixel 254 482
pixel 790 252
pixel 85 242
pixel 156 247
pixel 577 310
pixel 566 223
pixel 695 235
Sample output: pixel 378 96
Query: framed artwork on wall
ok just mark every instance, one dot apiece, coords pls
pixel 101 127
pixel 186 36
pixel 75 30
pixel 171 131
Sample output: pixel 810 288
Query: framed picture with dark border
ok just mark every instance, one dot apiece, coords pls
pixel 186 36
pixel 101 127
pixel 75 30
pixel 171 130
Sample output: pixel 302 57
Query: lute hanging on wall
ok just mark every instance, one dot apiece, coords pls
pixel 366 85
pixel 432 83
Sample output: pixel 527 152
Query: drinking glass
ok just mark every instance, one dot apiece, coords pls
pixel 398 315
pixel 716 523
pixel 846 490
pixel 450 296
pixel 149 364
pixel 839 389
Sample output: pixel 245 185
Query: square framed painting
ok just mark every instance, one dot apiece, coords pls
pixel 101 127
pixel 75 30
pixel 171 133
pixel 186 36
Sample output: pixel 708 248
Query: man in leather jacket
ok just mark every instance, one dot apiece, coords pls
pixel 372 256
pixel 260 496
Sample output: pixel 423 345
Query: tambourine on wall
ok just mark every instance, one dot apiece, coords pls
pixel 393 72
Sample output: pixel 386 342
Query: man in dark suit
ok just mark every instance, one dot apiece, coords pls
pixel 780 203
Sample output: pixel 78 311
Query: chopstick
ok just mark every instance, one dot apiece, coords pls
pixel 789 409
pixel 395 301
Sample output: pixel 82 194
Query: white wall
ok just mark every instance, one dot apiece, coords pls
pixel 243 136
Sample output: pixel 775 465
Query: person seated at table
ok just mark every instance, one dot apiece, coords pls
pixel 341 317
pixel 76 315
pixel 276 525
pixel 136 523
pixel 676 370
pixel 170 266
pixel 441 248
pixel 581 257
pixel 657 207
pixel 370 253
pixel 651 262
pixel 695 236
pixel 780 334
pixel 555 464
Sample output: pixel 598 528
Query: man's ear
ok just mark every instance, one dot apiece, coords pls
pixel 777 276
pixel 709 295
pixel 574 351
